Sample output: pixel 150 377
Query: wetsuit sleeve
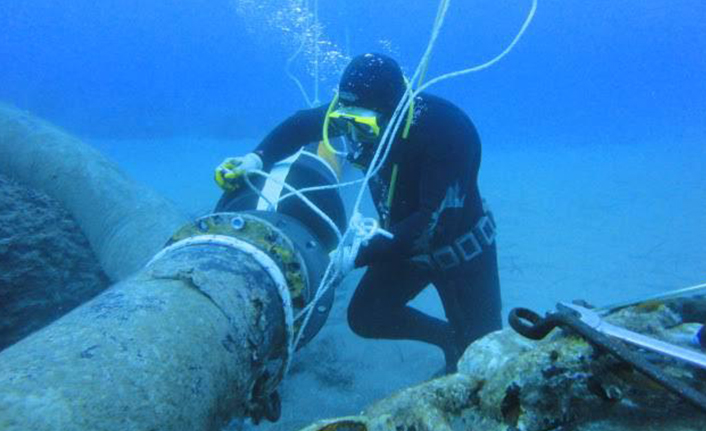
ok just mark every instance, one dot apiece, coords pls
pixel 440 171
pixel 289 136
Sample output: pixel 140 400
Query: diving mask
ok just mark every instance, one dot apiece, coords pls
pixel 360 124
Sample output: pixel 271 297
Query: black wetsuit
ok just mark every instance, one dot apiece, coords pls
pixel 436 200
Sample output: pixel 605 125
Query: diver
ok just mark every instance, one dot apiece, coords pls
pixel 426 194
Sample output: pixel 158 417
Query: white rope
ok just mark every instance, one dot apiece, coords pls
pixel 391 131
pixel 363 229
pixel 258 192
pixel 322 162
pixel 304 199
pixel 360 228
pixel 489 63
pixel 288 71
pixel 287 68
pixel 320 188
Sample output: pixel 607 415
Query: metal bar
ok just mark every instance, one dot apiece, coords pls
pixel 587 330
pixel 594 320
pixel 655 345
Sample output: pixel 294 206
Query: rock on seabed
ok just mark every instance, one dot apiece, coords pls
pixel 46 264
pixel 508 383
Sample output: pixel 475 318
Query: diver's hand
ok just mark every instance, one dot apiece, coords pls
pixel 343 260
pixel 229 174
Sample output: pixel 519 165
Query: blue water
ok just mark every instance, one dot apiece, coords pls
pixel 586 71
pixel 593 129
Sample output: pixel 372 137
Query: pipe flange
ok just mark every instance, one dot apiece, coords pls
pixel 263 235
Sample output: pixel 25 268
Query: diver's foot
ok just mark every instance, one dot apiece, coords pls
pixel 451 357
pixel 446 370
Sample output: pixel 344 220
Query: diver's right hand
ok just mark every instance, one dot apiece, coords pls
pixel 343 260
pixel 229 174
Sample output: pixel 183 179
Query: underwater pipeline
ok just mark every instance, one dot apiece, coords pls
pixel 192 334
pixel 125 223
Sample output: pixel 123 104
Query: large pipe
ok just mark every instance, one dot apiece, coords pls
pixel 201 334
pixel 178 346
pixel 125 223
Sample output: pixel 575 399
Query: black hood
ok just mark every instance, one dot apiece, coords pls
pixel 372 81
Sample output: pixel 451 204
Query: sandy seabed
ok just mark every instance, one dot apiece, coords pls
pixel 599 223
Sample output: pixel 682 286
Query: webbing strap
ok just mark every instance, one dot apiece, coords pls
pixel 274 184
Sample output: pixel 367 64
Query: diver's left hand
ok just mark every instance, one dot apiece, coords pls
pixel 229 174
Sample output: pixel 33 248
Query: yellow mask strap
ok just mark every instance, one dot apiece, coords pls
pixel 410 118
pixel 410 113
pixel 327 120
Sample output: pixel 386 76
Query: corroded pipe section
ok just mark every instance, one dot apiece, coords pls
pixel 200 335
pixel 181 345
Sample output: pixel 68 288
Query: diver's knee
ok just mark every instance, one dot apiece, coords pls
pixel 360 321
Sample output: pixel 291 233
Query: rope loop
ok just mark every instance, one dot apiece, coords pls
pixel 364 229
